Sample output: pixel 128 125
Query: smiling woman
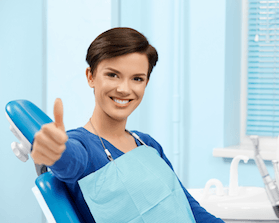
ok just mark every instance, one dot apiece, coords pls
pixel 112 174
pixel 119 84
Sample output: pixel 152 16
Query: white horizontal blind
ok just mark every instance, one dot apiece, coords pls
pixel 263 69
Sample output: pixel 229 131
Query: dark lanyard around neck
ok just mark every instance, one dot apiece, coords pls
pixel 106 150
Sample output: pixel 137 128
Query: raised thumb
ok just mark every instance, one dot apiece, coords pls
pixel 58 114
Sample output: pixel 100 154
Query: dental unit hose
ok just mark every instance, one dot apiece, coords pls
pixel 270 186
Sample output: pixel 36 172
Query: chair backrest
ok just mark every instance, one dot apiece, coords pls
pixel 57 198
pixel 26 120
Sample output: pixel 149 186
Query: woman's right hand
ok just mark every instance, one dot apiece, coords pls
pixel 49 142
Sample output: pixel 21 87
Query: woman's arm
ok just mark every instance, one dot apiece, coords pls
pixel 65 156
pixel 73 162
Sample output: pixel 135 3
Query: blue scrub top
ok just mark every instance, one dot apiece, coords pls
pixel 85 154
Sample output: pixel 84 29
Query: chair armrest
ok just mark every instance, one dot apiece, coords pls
pixel 57 198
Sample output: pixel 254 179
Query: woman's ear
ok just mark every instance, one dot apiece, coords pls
pixel 89 77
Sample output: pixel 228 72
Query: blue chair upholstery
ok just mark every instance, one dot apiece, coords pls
pixel 26 120
pixel 57 198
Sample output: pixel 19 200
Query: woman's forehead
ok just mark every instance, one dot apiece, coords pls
pixel 130 63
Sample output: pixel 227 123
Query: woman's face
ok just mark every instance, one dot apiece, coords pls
pixel 119 84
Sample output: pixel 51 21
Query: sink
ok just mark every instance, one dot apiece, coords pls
pixel 250 205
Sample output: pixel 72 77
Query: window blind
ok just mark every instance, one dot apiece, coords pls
pixel 263 68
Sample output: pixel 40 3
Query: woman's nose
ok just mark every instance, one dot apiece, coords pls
pixel 123 88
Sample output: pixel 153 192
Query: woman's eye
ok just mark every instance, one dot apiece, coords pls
pixel 138 79
pixel 112 75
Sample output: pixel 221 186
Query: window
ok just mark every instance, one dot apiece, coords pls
pixel 260 80
pixel 263 69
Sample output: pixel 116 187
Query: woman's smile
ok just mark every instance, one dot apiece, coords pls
pixel 121 102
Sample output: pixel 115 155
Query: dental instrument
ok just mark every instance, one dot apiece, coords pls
pixel 270 185
pixel 275 164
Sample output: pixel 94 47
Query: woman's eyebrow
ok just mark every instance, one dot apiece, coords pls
pixel 140 74
pixel 118 72
pixel 113 70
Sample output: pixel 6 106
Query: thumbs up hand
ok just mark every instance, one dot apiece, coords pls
pixel 58 114
pixel 49 142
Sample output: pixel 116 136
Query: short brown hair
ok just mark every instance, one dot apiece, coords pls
pixel 117 42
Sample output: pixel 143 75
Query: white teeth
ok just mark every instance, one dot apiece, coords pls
pixel 121 101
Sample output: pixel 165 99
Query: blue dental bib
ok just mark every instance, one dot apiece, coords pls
pixel 137 187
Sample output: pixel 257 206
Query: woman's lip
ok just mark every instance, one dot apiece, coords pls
pixel 119 104
pixel 121 99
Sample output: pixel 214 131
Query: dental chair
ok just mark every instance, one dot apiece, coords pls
pixel 25 120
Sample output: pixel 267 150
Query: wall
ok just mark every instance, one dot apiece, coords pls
pixel 44 59
pixel 206 74
pixel 214 73
pixel 21 77
pixel 68 38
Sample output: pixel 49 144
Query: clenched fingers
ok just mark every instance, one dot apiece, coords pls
pixel 54 133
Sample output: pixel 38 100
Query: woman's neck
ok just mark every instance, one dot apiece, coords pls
pixel 106 126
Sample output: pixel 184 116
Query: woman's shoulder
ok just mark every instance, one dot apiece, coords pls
pixel 82 138
pixel 148 140
pixel 76 133
pixel 81 134
pixel 144 136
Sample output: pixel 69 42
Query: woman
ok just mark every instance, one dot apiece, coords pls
pixel 120 63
